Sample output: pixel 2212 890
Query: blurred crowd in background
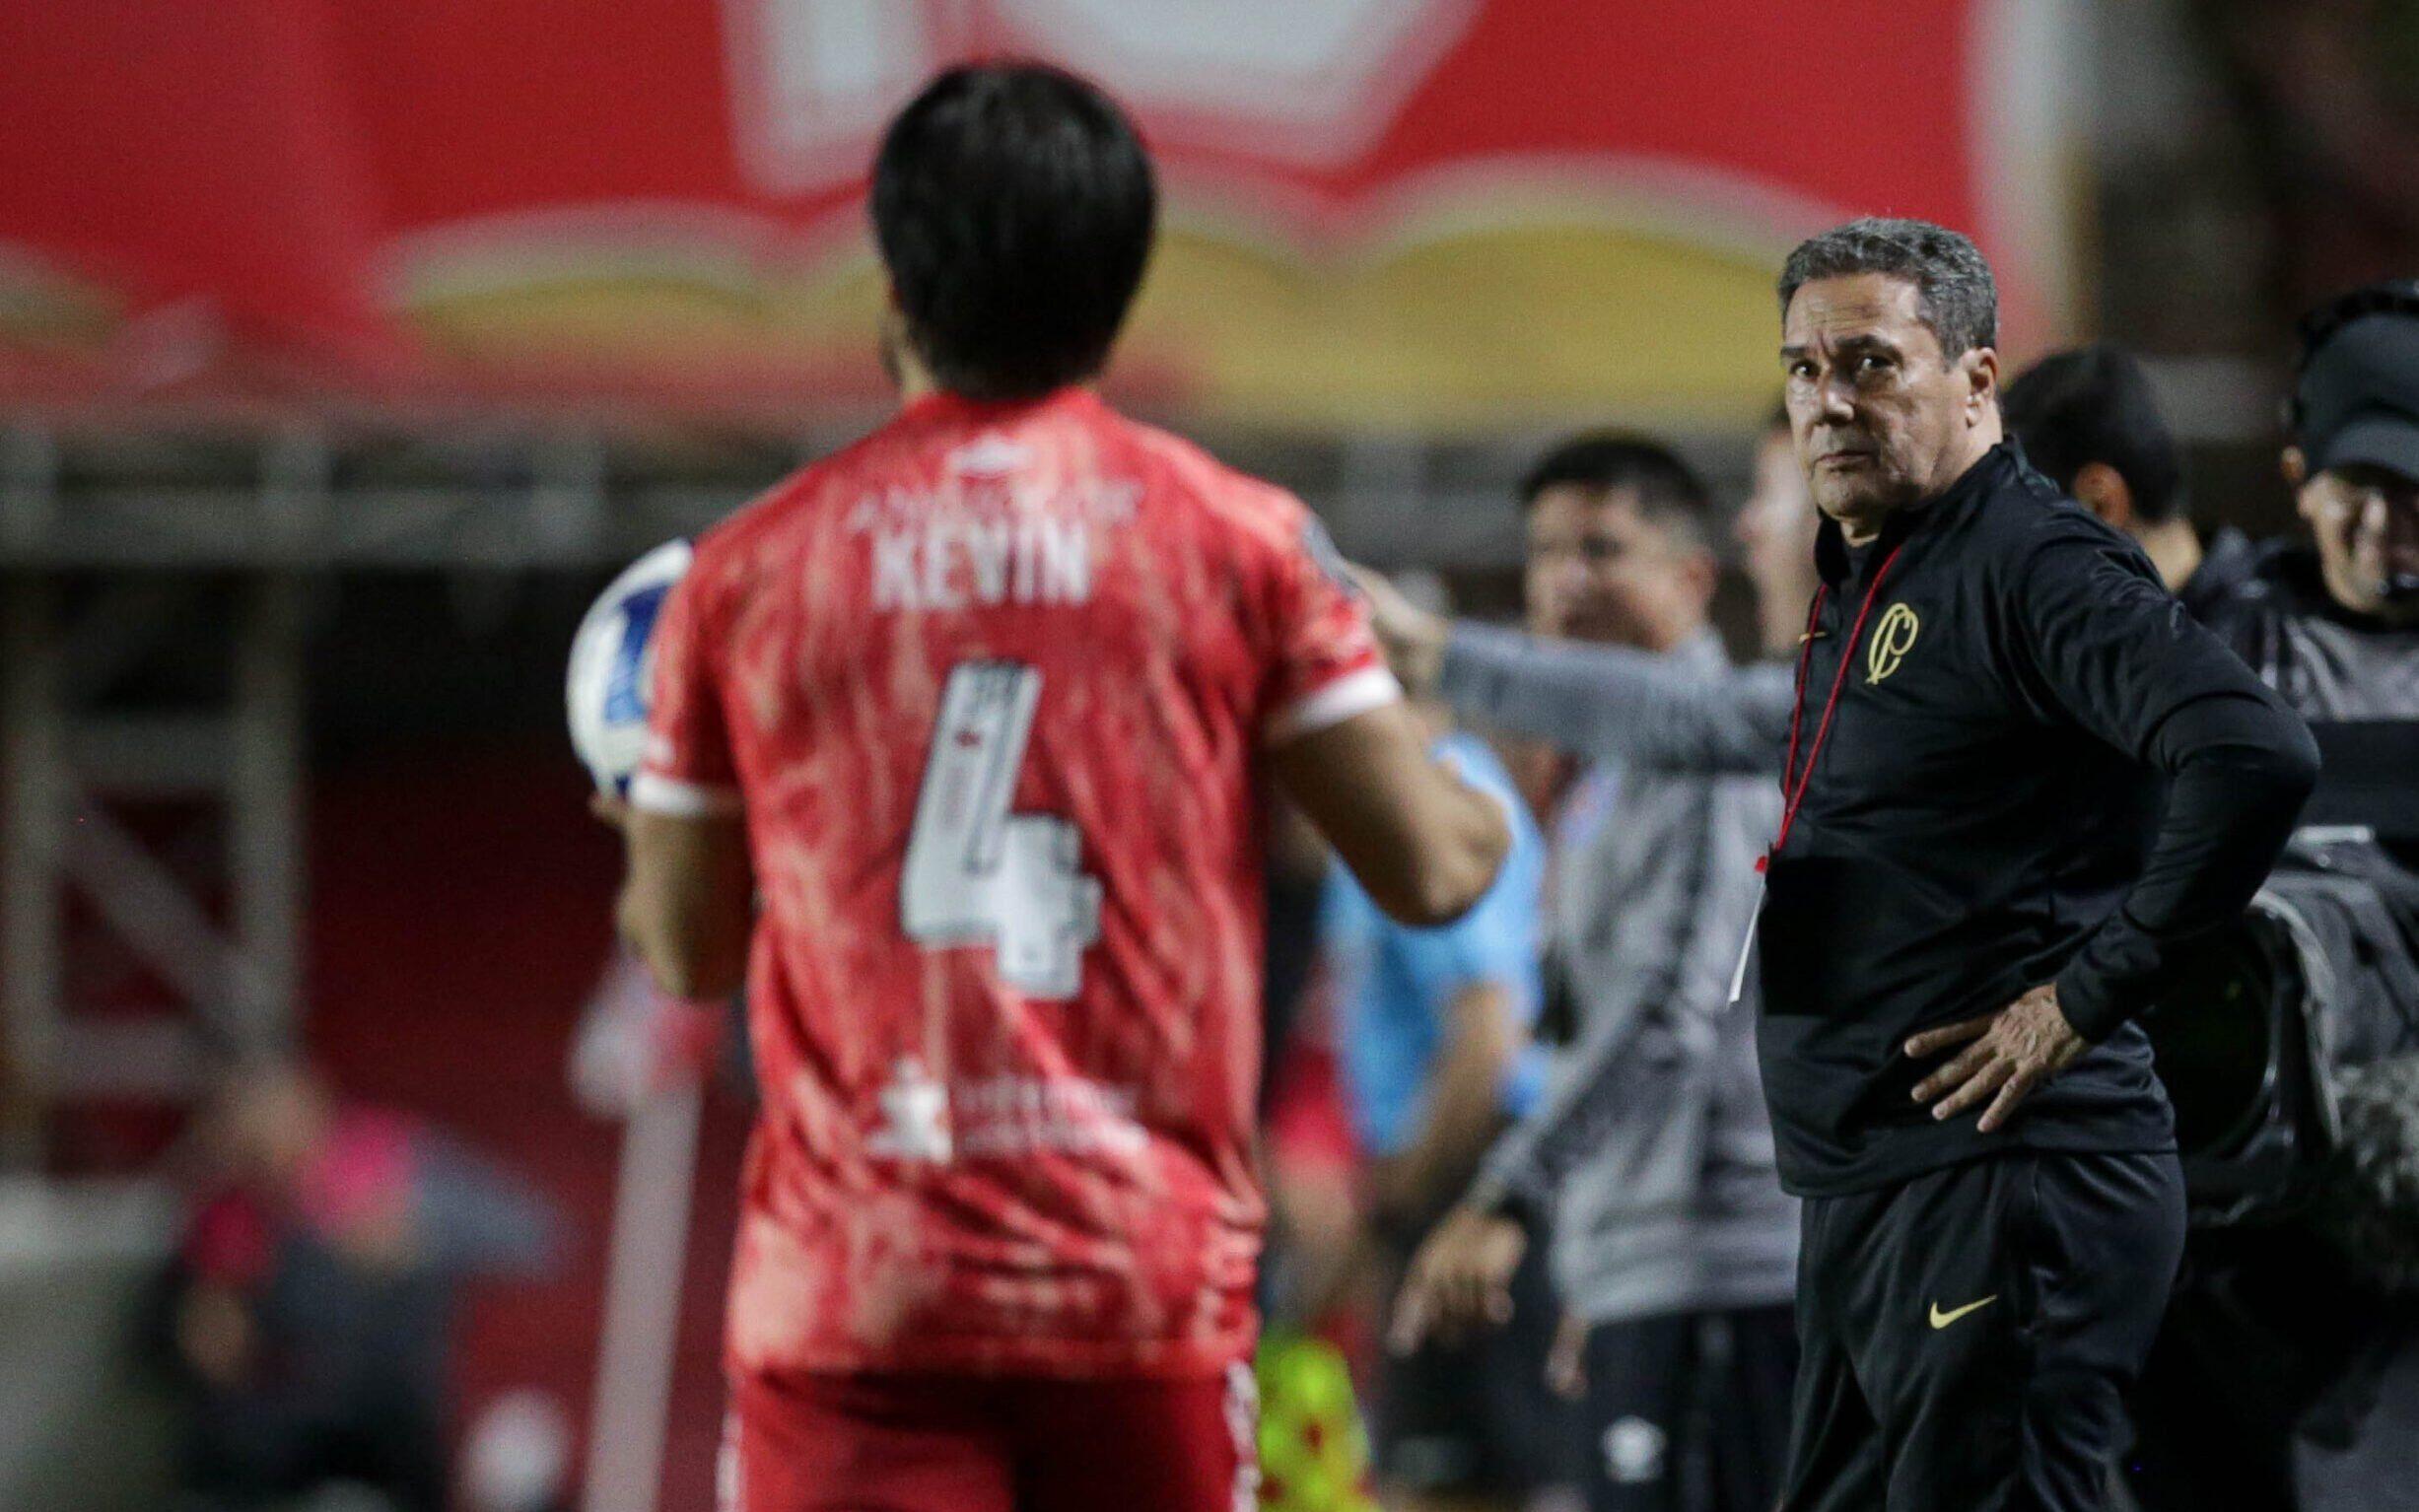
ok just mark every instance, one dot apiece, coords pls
pixel 321 1066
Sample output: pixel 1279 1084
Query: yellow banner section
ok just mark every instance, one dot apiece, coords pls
pixel 1474 329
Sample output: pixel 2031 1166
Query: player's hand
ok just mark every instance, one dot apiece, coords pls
pixel 1414 638
pixel 1462 1277
pixel 610 810
pixel 2007 1054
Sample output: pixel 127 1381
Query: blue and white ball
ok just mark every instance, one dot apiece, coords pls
pixel 612 667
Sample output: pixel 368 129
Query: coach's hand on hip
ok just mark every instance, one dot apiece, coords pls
pixel 2012 1051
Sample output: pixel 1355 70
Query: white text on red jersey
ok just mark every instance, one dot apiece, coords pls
pixel 986 544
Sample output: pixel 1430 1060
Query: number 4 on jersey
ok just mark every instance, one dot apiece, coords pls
pixel 976 874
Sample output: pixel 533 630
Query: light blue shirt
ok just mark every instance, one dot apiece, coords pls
pixel 1394 985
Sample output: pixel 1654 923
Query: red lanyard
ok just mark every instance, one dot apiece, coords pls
pixel 1793 781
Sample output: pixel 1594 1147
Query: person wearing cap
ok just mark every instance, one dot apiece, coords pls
pixel 2020 785
pixel 2283 1379
pixel 2334 626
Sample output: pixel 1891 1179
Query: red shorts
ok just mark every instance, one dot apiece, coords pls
pixel 881 1443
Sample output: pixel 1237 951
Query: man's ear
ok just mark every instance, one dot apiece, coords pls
pixel 1981 367
pixel 2294 463
pixel 2100 489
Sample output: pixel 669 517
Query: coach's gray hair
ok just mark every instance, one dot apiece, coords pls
pixel 1956 297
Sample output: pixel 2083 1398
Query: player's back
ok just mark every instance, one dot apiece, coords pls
pixel 994 683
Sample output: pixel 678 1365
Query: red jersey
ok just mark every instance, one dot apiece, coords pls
pixel 991 686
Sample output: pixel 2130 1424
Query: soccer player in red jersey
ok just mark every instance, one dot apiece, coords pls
pixel 954 752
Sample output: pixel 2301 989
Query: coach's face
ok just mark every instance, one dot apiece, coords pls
pixel 1881 416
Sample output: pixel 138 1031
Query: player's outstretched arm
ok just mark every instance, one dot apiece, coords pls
pixel 687 906
pixel 1604 703
pixel 1424 844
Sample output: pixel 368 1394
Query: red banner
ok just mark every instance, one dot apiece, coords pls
pixel 1409 211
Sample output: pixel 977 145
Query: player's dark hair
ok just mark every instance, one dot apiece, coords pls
pixel 1956 297
pixel 1668 490
pixel 1014 207
pixel 2095 404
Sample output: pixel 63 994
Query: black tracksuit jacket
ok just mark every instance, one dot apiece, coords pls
pixel 2039 769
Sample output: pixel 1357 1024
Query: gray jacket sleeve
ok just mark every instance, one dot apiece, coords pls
pixel 1588 1092
pixel 1647 1026
pixel 1610 703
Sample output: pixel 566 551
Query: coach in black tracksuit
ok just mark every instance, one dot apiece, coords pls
pixel 2021 783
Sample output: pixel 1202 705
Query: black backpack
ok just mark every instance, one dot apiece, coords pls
pixel 2290 1047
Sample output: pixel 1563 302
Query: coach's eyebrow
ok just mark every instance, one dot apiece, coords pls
pixel 1854 346
pixel 1846 347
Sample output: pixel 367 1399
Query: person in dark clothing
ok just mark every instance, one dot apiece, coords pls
pixel 2334 626
pixel 1977 841
pixel 2020 783
pixel 2284 1379
pixel 2090 422
pixel 312 1300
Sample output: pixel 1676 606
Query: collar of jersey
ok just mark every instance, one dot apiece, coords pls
pixel 941 404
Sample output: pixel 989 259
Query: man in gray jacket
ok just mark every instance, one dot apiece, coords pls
pixel 1652 1153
